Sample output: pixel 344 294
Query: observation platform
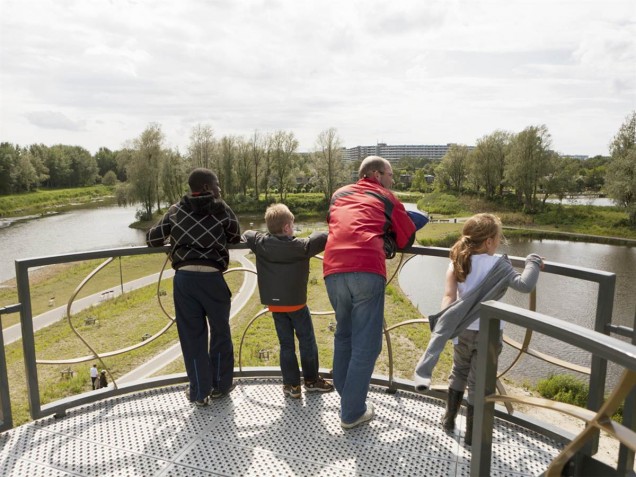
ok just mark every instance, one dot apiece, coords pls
pixel 258 431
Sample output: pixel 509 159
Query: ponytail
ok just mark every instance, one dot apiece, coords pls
pixel 476 231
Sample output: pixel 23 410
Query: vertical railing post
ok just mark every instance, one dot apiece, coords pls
pixel 28 338
pixel 625 454
pixel 598 368
pixel 6 418
pixel 489 333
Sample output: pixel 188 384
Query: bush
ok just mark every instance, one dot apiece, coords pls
pixel 568 389
pixel 564 388
pixel 441 203
pixel 109 179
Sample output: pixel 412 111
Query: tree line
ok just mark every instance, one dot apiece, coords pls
pixel 148 172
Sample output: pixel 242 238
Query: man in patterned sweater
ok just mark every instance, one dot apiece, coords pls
pixel 198 229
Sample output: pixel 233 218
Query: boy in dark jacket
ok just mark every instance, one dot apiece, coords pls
pixel 282 263
pixel 198 229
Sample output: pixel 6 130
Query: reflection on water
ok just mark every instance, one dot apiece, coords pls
pixel 562 297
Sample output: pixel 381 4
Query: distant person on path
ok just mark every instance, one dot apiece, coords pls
pixel 366 225
pixel 103 382
pixel 474 275
pixel 198 228
pixel 94 374
pixel 282 263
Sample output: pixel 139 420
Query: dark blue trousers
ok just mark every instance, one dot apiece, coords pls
pixel 202 299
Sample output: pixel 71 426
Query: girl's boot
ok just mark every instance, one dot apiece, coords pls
pixel 470 413
pixel 453 402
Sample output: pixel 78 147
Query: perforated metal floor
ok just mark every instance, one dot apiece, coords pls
pixel 258 431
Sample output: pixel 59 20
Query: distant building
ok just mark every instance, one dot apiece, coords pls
pixel 394 153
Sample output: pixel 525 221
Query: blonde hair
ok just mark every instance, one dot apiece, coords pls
pixel 476 231
pixel 276 217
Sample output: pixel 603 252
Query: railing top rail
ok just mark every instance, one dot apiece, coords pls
pixel 606 347
pixel 573 271
pixel 563 269
pixel 96 254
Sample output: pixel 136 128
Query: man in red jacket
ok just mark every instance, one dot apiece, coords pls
pixel 365 222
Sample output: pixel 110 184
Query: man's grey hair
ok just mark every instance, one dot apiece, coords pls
pixel 370 164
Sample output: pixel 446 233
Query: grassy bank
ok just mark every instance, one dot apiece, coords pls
pixel 46 201
pixel 408 342
pixel 120 322
pixel 564 222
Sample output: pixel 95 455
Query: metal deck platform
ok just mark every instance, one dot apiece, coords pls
pixel 256 430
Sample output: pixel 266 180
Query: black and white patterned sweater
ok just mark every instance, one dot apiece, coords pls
pixel 198 228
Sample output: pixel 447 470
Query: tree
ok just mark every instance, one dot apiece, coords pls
pixel 106 161
pixel 84 168
pixel 455 164
pixel 284 148
pixel 243 165
pixel 226 170
pixel 561 177
pixel 488 160
pixel 143 168
pixel 528 162
pixel 173 176
pixel 59 166
pixel 202 146
pixel 24 175
pixel 8 157
pixel 328 163
pixel 268 154
pixel 256 153
pixel 620 181
pixel 109 179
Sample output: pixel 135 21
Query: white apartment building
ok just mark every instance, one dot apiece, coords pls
pixel 395 152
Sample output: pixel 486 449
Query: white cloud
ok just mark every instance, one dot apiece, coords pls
pixel 401 72
pixel 54 120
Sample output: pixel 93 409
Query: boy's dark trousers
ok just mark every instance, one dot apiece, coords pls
pixel 300 322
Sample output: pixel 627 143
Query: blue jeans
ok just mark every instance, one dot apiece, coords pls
pixel 197 296
pixel 299 321
pixel 358 300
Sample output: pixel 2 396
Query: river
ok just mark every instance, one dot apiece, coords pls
pixel 566 298
pixel 422 278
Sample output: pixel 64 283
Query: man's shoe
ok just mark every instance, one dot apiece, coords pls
pixel 367 416
pixel 292 391
pixel 217 393
pixel 202 403
pixel 318 386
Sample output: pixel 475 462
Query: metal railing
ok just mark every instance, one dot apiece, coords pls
pixel 597 372
pixel 604 348
pixel 6 418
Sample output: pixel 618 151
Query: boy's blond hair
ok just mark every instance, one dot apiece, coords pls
pixel 276 217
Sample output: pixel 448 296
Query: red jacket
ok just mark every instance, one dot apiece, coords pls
pixel 359 216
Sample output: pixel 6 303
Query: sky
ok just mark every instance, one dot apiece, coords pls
pixel 97 73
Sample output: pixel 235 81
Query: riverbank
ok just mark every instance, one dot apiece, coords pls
pixel 42 202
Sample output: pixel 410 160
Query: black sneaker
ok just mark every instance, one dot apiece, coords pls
pixel 217 393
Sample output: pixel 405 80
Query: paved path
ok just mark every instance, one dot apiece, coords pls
pixel 157 363
pixel 14 333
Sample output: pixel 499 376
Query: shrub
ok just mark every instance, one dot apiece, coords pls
pixel 568 389
pixel 441 203
pixel 564 388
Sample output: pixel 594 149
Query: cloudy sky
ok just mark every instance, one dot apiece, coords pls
pixel 96 73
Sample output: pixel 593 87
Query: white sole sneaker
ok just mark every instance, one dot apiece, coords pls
pixel 421 384
pixel 367 416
